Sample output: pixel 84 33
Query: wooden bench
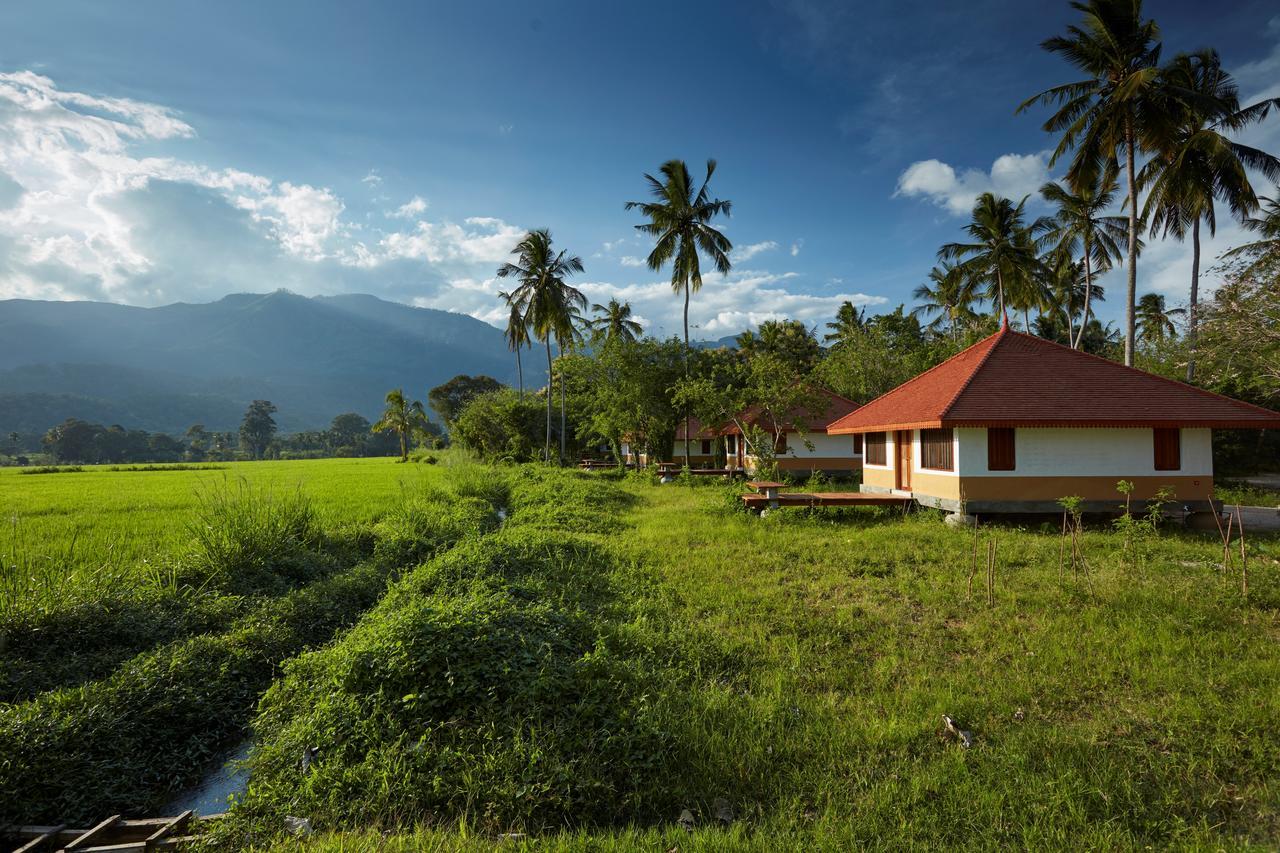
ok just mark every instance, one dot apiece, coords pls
pixel 769 496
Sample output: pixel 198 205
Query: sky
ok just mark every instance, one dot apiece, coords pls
pixel 156 152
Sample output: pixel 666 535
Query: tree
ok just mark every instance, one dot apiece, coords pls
pixel 613 322
pixel 258 427
pixel 550 305
pixel 790 341
pixel 349 429
pixel 405 417
pixel 950 298
pixel 1110 112
pixel 449 398
pixel 517 332
pixel 1154 320
pixel 1002 252
pixel 14 437
pixel 1070 292
pixel 1081 227
pixel 1197 163
pixel 680 221
pixel 499 425
pixel 73 440
pixel 850 321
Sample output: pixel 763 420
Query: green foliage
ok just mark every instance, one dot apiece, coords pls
pixel 452 397
pixel 258 428
pixel 501 425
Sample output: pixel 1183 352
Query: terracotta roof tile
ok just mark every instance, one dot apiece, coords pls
pixel 1015 379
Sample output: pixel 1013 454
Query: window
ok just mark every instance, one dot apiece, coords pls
pixel 731 444
pixel 857 445
pixel 1168 449
pixel 706 447
pixel 935 449
pixel 875 453
pixel 1000 449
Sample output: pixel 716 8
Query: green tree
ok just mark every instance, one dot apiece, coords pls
pixel 850 321
pixel 680 222
pixel 550 304
pixel 1197 161
pixel 349 429
pixel 516 332
pixel 1081 227
pixel 499 425
pixel 1111 112
pixel 613 322
pixel 1002 252
pixel 790 341
pixel 404 417
pixel 950 297
pixel 449 398
pixel 1155 322
pixel 258 427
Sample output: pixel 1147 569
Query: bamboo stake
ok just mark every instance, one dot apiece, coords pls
pixel 1244 557
pixel 1227 561
pixel 1062 544
pixel 973 570
pixel 991 572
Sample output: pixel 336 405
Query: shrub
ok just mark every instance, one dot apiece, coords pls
pixel 501 425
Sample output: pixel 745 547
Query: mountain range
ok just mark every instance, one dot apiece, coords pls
pixel 163 369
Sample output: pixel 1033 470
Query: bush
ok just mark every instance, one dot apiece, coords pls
pixel 500 425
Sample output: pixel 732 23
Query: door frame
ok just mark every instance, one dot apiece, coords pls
pixel 902 459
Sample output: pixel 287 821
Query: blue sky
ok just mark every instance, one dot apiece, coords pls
pixel 153 152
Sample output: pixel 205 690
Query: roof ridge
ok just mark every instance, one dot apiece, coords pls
pixel 999 336
pixel 1165 379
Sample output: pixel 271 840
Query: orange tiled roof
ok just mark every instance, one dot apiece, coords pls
pixel 834 408
pixel 1015 379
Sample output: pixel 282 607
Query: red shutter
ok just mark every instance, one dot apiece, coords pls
pixel 1168 449
pixel 1001 455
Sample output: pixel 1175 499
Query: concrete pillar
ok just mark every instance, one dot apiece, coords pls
pixel 959 519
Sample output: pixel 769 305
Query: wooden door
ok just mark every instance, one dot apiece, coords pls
pixel 902 451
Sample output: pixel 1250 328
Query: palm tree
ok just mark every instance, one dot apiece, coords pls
pixel 1110 111
pixel 1198 163
pixel 550 304
pixel 1154 321
pixel 949 298
pixel 516 333
pixel 613 322
pixel 1071 292
pixel 404 417
pixel 1002 254
pixel 1080 227
pixel 680 220
pixel 850 322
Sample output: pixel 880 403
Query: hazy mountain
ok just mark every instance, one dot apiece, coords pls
pixel 168 367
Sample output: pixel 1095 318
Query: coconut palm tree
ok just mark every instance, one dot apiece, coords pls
pixel 1155 322
pixel 680 221
pixel 1070 293
pixel 1003 253
pixel 1110 112
pixel 850 321
pixel 613 322
pixel 550 304
pixel 404 417
pixel 1198 163
pixel 517 332
pixel 950 298
pixel 1080 227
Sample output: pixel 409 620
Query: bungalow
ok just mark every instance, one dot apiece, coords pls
pixel 801 451
pixel 1015 422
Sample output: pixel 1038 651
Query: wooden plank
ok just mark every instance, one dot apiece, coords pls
pixel 176 825
pixel 49 835
pixel 82 842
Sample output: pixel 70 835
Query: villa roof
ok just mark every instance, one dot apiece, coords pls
pixel 696 430
pixel 833 408
pixel 1012 379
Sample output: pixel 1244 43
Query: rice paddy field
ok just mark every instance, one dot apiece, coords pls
pixel 455 656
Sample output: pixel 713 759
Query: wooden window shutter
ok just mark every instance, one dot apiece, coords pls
pixel 935 449
pixel 875 448
pixel 857 445
pixel 1001 454
pixel 1168 449
pixel 706 447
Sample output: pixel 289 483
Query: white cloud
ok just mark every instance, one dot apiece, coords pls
pixel 411 209
pixel 373 179
pixel 1011 175
pixel 631 261
pixel 749 251
pixel 506 129
pixel 796 246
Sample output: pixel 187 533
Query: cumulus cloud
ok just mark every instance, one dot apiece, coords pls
pixel 796 246
pixel 749 251
pixel 631 261
pixel 412 208
pixel 1011 175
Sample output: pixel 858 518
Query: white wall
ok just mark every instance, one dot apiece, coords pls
pixel 1083 452
pixel 830 446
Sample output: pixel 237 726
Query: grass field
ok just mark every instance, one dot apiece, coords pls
pixel 620 652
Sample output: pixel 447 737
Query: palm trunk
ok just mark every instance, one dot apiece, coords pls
pixel 687 286
pixel 520 372
pixel 1026 320
pixel 1088 293
pixel 1000 293
pixel 404 445
pixel 1195 297
pixel 1131 320
pixel 560 348
pixel 1071 323
pixel 546 450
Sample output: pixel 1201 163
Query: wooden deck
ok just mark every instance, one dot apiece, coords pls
pixel 757 502
pixel 112 834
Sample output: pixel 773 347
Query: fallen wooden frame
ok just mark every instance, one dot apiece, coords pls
pixel 114 834
pixel 814 499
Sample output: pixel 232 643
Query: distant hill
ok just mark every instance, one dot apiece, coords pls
pixel 163 369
